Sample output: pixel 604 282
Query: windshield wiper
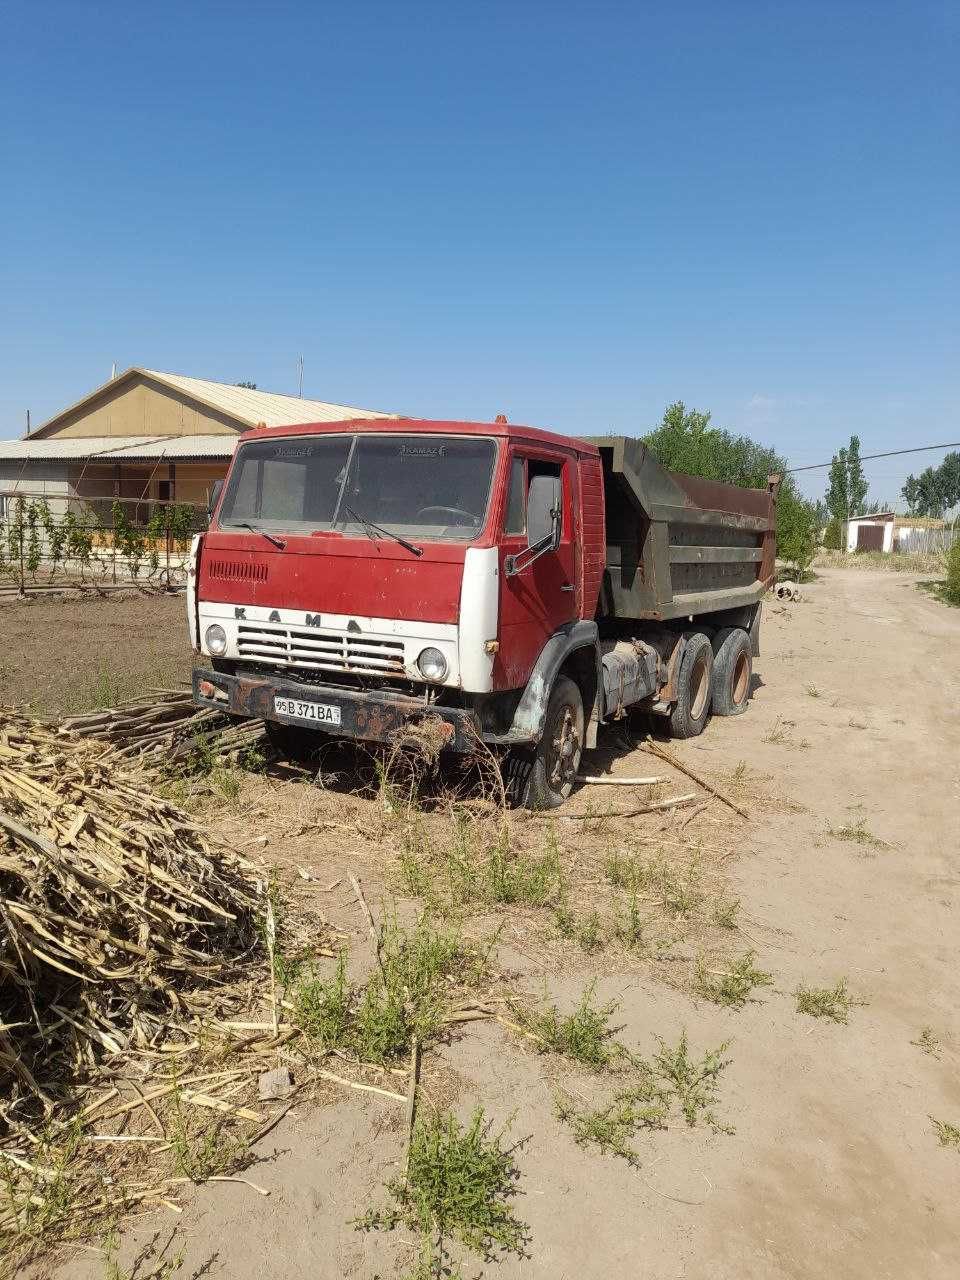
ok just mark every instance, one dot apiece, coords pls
pixel 368 525
pixel 277 542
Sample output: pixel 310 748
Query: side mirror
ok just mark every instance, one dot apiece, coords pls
pixel 543 523
pixel 215 493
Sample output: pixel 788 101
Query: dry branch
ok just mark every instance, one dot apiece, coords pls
pixel 655 749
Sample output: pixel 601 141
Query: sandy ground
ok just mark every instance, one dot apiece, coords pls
pixel 834 1168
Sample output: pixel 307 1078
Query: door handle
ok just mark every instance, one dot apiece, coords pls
pixel 568 586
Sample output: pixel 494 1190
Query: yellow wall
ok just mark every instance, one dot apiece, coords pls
pixel 141 408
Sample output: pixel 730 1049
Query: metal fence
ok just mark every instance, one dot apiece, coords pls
pixel 48 542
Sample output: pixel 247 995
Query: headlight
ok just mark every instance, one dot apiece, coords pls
pixel 432 664
pixel 216 640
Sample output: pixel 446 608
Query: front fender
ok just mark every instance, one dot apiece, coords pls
pixel 531 710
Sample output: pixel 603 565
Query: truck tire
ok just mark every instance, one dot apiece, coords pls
pixel 692 708
pixel 291 742
pixel 556 758
pixel 732 671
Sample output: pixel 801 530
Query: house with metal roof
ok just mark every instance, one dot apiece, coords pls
pixel 148 436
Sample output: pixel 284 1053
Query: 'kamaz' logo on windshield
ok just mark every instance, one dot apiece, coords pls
pixel 421 450
pixel 289 451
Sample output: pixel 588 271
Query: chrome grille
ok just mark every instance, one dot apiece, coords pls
pixel 320 650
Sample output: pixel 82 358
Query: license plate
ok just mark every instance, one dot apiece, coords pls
pixel 319 712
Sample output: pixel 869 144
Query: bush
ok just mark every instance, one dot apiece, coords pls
pixel 951 587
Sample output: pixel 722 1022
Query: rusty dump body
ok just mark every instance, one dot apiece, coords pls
pixel 679 545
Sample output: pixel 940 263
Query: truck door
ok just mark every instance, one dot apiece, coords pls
pixel 539 599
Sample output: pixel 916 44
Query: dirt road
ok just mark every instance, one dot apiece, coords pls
pixel 834 1168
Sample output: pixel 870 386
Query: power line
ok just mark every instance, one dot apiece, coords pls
pixel 869 457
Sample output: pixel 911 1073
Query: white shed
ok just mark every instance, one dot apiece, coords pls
pixel 871 533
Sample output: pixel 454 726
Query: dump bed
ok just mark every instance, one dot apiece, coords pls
pixel 677 544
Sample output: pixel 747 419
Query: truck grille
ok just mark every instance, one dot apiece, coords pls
pixel 320 650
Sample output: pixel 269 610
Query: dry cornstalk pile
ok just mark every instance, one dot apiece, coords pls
pixel 118 920
pixel 164 727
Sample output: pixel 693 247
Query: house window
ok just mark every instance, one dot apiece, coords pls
pixel 165 490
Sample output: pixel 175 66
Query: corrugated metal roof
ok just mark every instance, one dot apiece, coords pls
pixel 117 448
pixel 245 406
pixel 268 407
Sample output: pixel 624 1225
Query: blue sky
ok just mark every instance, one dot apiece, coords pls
pixel 573 214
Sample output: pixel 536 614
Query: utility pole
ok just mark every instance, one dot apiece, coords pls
pixel 300 390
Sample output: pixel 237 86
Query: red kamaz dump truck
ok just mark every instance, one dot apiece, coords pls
pixel 516 586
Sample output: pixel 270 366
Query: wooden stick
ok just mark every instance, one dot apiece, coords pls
pixel 655 749
pixel 617 782
pixel 672 803
pixel 411 1101
pixel 365 1088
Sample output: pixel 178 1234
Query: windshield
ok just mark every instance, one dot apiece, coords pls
pixel 422 486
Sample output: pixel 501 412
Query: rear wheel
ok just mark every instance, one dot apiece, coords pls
pixel 732 671
pixel 556 758
pixel 692 708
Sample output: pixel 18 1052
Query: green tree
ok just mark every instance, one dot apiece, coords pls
pixel 857 485
pixel 936 490
pixel 250 386
pixel 846 484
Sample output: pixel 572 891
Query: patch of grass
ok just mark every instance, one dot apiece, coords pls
pixel 586 931
pixel 584 1036
pixel 40 1201
pixel 858 833
pixel 732 985
pixel 459 1184
pixel 928 1043
pixel 677 889
pixel 672 1080
pixel 833 1002
pixel 630 925
pixel 201 1149
pixel 949 1134
pixel 406 996
pixel 471 870
pixel 812 691
pixel 781 734
pixel 153 1262
pixel 725 913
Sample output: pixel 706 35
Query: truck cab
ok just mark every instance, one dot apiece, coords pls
pixel 357 576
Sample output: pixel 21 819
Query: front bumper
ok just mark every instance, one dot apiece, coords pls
pixel 372 716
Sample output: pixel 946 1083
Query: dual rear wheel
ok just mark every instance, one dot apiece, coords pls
pixel 714 677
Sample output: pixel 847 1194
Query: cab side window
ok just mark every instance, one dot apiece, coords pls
pixel 516 517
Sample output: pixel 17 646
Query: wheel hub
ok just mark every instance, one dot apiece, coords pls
pixel 565 750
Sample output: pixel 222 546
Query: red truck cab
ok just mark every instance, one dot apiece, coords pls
pixel 360 575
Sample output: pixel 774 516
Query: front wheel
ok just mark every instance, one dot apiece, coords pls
pixel 556 757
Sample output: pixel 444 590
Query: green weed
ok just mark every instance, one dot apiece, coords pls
pixel 672 1080
pixel 584 1035
pixel 858 833
pixel 152 1262
pixel 949 1134
pixel 733 984
pixel 459 1184
pixel 725 913
pixel 834 1002
pixel 630 925
pixel 812 691
pixel 405 997
pixel 201 1150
